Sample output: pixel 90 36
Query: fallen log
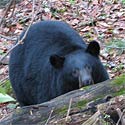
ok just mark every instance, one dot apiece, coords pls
pixel 41 114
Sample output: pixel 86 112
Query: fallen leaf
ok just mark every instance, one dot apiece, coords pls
pixel 74 22
pixel 6 98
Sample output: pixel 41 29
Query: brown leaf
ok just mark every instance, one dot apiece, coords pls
pixel 74 22
pixel 104 24
pixel 87 28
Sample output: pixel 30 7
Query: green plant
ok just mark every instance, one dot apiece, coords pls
pixel 72 1
pixel 123 1
pixel 118 68
pixel 119 80
pixel 5 91
pixel 116 45
pixel 6 98
pixel 6 88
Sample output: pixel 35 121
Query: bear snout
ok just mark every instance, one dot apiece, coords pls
pixel 85 82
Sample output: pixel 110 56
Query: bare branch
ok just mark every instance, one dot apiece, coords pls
pixel 14 5
pixel 33 16
pixel 2 58
pixel 3 80
pixel 8 38
pixel 92 119
pixel 114 47
pixel 121 118
pixel 68 112
pixel 6 11
pixel 21 41
pixel 49 116
pixel 92 20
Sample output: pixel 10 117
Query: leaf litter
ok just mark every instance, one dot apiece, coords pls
pixel 100 20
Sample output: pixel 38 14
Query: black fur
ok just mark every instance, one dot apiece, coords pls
pixel 52 61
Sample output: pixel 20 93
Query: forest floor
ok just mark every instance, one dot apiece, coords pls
pixel 100 20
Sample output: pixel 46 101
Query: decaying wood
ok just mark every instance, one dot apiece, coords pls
pixel 92 119
pixel 39 114
pixel 116 104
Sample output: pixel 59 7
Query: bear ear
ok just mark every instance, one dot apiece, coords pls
pixel 57 61
pixel 93 48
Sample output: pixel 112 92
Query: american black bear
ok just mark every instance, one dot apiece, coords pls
pixel 52 61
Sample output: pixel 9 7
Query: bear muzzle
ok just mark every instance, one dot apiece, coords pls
pixel 85 81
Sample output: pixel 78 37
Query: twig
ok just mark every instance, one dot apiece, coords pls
pixel 96 120
pixel 92 20
pixel 120 117
pixel 68 112
pixel 49 116
pixel 2 80
pixel 21 41
pixel 105 58
pixel 33 16
pixel 2 58
pixel 6 11
pixel 114 47
pixel 92 119
pixel 5 61
pixel 94 28
pixel 14 5
pixel 8 38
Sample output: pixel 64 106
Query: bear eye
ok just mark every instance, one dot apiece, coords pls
pixel 88 67
pixel 75 73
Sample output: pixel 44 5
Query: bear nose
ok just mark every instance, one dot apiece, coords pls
pixel 87 82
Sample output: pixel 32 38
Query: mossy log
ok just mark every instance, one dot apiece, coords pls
pixel 58 107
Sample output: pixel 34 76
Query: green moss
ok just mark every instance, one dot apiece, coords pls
pixel 81 104
pixel 120 80
pixel 85 88
pixel 61 111
pixel 62 10
pixel 120 92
